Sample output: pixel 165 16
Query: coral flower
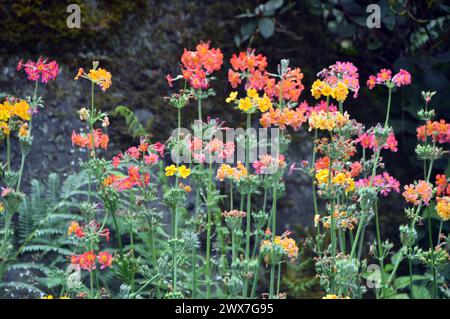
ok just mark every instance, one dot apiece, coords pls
pixel 443 207
pixel 104 259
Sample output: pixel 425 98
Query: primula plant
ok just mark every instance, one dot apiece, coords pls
pixel 197 215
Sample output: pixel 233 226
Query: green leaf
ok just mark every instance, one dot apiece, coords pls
pixel 135 127
pixel 247 29
pixel 421 292
pixel 273 5
pixel 266 27
pixel 403 282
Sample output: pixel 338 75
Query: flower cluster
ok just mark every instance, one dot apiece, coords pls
pixel 225 171
pixel 181 171
pixel 340 72
pixel 274 249
pixel 419 193
pixel 342 179
pixel 285 117
pixel 39 70
pixel 90 141
pixel 368 140
pixel 96 75
pixel 384 183
pixel 330 121
pixel 250 66
pixel 198 64
pixel 251 102
pixel 13 109
pixel 384 77
pixel 88 260
pixel 439 131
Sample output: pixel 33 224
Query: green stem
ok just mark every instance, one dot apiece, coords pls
pixel 380 250
pixel 194 249
pixel 22 164
pixel 208 235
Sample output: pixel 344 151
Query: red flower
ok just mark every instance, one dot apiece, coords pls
pixel 104 259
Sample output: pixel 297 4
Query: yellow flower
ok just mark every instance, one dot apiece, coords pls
pixel 171 170
pixel 329 296
pixel 264 103
pixel 245 104
pixel 340 92
pixel 183 171
pixel 5 128
pixel 47 297
pixel 326 90
pixel 22 110
pixel 101 77
pixel 351 185
pixel 322 176
pixel 4 114
pixel 2 208
pixel 340 178
pixel 316 89
pixel 443 207
pixel 231 97
pixel 252 93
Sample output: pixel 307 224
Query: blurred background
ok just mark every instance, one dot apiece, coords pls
pixel 141 41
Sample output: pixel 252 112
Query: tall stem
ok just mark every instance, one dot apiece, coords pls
pixel 208 235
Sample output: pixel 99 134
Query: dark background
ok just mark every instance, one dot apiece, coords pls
pixel 141 41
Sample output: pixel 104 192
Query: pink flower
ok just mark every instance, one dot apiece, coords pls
pixel 151 159
pixel 169 79
pixel 159 148
pixel 133 152
pixel 39 70
pixel 402 78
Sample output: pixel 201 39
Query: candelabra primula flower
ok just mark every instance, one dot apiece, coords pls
pixel 13 107
pixel 225 171
pixel 384 183
pixel 39 70
pixel 289 86
pixel 419 193
pixel 384 77
pixel 443 207
pixel 282 118
pixel 341 72
pixel 86 260
pixel 368 140
pixel 327 120
pixel 76 229
pixel 439 131
pixel 248 65
pixel 442 185
pixel 274 249
pixel 342 179
pixel 87 141
pixel 97 75
pixel 105 259
pixel 197 65
pixel 181 171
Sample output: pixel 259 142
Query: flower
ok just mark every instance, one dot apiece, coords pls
pixel 231 97
pixel 385 77
pixel 443 207
pixel 183 171
pixel 104 259
pixel 171 170
pixel 86 260
pixel 402 78
pixel 96 75
pixel 234 214
pixel 85 140
pixel 198 64
pixel 332 296
pixel 327 120
pixel 438 130
pixel 418 193
pixel 76 229
pixel 442 185
pixel 39 70
pixel 245 104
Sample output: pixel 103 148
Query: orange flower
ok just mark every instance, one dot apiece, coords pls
pixel 104 259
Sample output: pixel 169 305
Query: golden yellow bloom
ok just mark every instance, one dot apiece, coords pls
pixel 340 92
pixel 2 208
pixel 101 77
pixel 183 171
pixel 5 128
pixel 231 97
pixel 443 207
pixel 322 176
pixel 264 103
pixel 171 170
pixel 340 178
pixel 252 93
pixel 316 89
pixel 326 90
pixel 245 104
pixel 22 110
pixel 47 297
